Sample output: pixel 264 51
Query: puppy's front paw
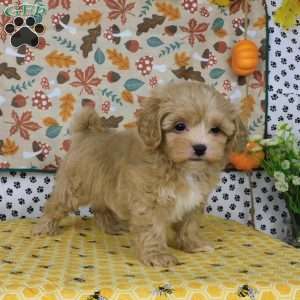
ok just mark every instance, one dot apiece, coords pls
pixel 197 245
pixel 45 227
pixel 159 260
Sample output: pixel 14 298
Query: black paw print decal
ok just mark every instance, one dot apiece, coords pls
pixel 24 32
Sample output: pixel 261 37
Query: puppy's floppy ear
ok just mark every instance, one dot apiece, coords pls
pixel 149 122
pixel 239 139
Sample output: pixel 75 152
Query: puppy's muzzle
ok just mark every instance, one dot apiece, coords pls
pixel 199 149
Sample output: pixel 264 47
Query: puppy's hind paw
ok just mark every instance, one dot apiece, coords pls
pixel 116 229
pixel 159 260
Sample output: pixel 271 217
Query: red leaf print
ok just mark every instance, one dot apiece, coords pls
pixel 66 4
pixel 202 27
pixel 53 4
pixel 26 116
pixel 258 75
pixel 119 8
pixel 24 133
pixel 15 116
pixel 89 72
pixel 255 85
pixel 195 31
pixel 129 6
pixel 76 84
pixel 23 124
pixel 79 74
pixel 113 15
pixel 31 126
pixel 86 80
pixel 88 89
pixel 13 130
pixel 236 5
pixel 200 37
pixel 3 20
pixel 111 4
pixel 95 81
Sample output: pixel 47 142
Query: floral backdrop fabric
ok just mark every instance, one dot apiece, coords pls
pixel 109 54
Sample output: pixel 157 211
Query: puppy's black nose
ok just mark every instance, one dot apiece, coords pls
pixel 199 149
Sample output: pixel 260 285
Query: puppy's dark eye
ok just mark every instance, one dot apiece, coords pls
pixel 180 126
pixel 215 130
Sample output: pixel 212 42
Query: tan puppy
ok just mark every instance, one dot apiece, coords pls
pixel 152 178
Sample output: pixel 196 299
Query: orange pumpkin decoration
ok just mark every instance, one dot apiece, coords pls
pixel 244 58
pixel 247 160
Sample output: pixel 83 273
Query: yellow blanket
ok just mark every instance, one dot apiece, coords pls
pixel 83 263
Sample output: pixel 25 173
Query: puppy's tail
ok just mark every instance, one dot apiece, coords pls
pixel 87 120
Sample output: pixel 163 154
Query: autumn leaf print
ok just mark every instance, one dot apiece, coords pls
pixel 59 59
pixel 88 17
pixel 182 59
pixel 66 106
pixel 236 5
pixel 88 56
pixel 121 61
pixel 260 23
pixel 49 121
pixel 168 10
pixel 119 8
pixel 23 124
pixel 8 147
pixel 195 31
pixel 127 96
pixel 247 106
pixel 89 40
pixel 3 20
pixel 260 82
pixel 9 72
pixel 55 3
pixel 188 73
pixel 86 80
pixel 149 23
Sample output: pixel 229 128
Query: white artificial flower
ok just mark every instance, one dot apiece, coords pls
pixel 255 138
pixel 296 163
pixel 285 165
pixel 279 176
pixel 283 131
pixel 255 148
pixel 296 180
pixel 281 186
pixel 296 148
pixel 281 126
pixel 263 142
pixel 269 142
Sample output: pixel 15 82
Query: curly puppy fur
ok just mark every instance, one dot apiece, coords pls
pixel 150 179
